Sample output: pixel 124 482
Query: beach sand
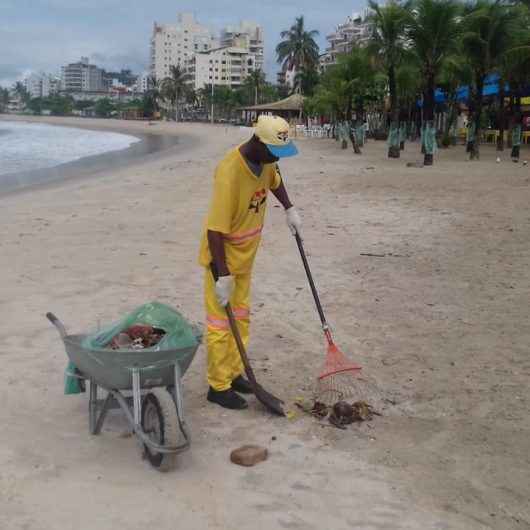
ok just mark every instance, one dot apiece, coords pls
pixel 438 318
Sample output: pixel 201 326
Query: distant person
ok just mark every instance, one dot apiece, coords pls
pixel 229 244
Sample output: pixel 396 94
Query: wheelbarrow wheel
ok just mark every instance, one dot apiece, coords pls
pixel 160 423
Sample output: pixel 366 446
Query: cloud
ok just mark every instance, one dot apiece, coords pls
pixel 43 35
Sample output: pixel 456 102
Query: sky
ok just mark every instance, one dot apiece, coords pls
pixel 42 35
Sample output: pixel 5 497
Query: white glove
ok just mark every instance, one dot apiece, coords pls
pixel 293 221
pixel 223 289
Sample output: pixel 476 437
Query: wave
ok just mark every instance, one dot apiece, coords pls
pixel 31 146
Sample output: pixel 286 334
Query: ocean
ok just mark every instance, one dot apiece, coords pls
pixel 32 146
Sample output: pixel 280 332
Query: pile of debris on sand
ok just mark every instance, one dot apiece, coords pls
pixel 341 413
pixel 136 337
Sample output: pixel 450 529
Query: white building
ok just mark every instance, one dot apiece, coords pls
pixel 286 78
pixel 173 45
pixel 81 76
pixel 143 83
pixel 227 66
pixel 247 35
pixel 50 85
pixel 355 30
pixel 41 85
pixel 33 85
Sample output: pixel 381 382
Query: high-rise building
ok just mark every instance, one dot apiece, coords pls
pixel 175 44
pixel 207 59
pixel 355 30
pixel 226 66
pixel 247 35
pixel 82 77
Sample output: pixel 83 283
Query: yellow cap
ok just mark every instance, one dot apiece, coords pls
pixel 273 131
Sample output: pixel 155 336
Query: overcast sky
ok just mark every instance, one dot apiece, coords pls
pixel 42 35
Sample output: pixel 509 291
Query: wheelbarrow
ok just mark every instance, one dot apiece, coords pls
pixel 146 385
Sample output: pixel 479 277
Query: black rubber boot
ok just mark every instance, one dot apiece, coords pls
pixel 240 384
pixel 227 399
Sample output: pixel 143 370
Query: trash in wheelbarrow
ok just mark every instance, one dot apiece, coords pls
pixel 152 327
pixel 172 330
pixel 137 337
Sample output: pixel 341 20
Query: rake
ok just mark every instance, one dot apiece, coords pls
pixel 338 379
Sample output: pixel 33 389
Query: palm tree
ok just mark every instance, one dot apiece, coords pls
pixel 20 89
pixel 387 43
pixel 298 50
pixel 488 36
pixel 433 29
pixel 255 81
pixel 455 72
pixel 517 73
pixel 172 88
pixel 4 98
pixel 408 86
pixel 305 81
pixel 153 96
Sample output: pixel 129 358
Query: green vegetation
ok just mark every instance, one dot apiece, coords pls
pixel 418 46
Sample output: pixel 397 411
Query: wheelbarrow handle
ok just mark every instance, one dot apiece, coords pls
pixel 57 323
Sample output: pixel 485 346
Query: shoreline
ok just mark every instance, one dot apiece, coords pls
pixel 151 143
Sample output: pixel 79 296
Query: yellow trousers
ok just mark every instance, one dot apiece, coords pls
pixel 224 361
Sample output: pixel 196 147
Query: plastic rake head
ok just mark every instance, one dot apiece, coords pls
pixel 338 378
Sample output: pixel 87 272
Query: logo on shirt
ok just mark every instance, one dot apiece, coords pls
pixel 258 199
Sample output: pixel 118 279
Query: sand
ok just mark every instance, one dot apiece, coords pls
pixel 440 323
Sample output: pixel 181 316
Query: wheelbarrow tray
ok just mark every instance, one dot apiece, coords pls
pixel 112 369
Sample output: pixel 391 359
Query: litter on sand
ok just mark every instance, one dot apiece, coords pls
pixel 341 413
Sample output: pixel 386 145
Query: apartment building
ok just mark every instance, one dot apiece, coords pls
pixel 121 79
pixel 225 59
pixel 143 83
pixel 41 85
pixel 355 30
pixel 81 76
pixel 227 66
pixel 247 35
pixel 175 44
pixel 33 85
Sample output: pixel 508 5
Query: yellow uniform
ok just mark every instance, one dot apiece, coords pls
pixel 237 211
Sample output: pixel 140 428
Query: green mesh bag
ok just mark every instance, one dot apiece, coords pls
pixel 393 135
pixel 180 333
pixel 402 132
pixel 471 132
pixel 516 135
pixel 72 384
pixel 359 135
pixel 429 139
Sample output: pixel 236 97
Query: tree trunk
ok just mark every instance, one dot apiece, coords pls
pixel 474 153
pixel 501 116
pixel 451 117
pixel 517 128
pixel 429 137
pixel 393 133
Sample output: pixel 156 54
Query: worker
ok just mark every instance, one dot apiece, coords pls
pixel 229 244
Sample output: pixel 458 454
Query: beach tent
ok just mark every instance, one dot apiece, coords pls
pixel 491 88
pixel 287 108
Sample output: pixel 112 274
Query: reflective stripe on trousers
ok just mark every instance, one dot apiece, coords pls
pixel 224 361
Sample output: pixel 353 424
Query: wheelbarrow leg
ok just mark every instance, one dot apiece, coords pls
pixel 179 403
pixel 103 414
pixel 93 407
pixel 137 398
